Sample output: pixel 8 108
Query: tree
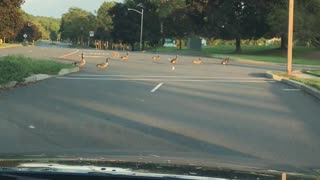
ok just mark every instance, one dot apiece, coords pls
pixel 104 21
pixel 125 29
pixel 76 24
pixel 306 21
pixel 53 36
pixel 237 19
pixel 179 25
pixel 11 20
pixel 165 9
pixel 32 32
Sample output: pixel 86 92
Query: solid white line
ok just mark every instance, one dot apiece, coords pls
pixel 168 80
pixel 146 76
pixel 156 88
pixel 70 53
pixel 291 89
pixel 92 56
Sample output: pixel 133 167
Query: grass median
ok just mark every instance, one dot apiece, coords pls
pixel 315 72
pixel 310 82
pixel 16 68
pixel 301 55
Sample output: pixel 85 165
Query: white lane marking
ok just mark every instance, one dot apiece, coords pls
pixel 183 77
pixel 92 56
pixel 292 90
pixel 69 53
pixel 31 127
pixel 168 80
pixel 153 155
pixel 156 88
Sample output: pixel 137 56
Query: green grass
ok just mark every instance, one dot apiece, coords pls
pixel 313 72
pixel 16 68
pixel 257 53
pixel 311 82
pixel 283 74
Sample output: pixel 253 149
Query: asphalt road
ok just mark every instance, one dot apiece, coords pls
pixel 138 109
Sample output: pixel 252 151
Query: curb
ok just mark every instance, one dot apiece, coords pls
pixel 308 89
pixel 39 77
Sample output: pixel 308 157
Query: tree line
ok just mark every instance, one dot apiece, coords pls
pixel 178 19
pixel 14 23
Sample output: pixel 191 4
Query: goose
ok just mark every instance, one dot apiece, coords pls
pixel 103 65
pixel 197 61
pixel 126 57
pixel 225 61
pixel 156 57
pixel 80 63
pixel 174 60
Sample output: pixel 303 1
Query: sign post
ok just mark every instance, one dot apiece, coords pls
pixel 91 34
pixel 290 35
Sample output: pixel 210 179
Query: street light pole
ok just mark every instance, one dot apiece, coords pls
pixel 290 35
pixel 141 28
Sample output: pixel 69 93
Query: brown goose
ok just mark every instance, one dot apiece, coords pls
pixel 103 65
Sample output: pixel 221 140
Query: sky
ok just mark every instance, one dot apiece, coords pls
pixel 55 8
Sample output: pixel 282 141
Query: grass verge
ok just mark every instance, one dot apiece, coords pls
pixel 315 72
pixel 16 68
pixel 302 55
pixel 311 82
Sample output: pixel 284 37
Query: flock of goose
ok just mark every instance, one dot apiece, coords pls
pixel 116 55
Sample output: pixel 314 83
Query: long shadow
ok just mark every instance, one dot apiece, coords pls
pixel 167 135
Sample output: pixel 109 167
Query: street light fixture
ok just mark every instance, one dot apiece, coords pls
pixel 141 13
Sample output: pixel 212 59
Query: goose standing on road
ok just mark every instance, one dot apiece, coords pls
pixel 155 58
pixel 80 63
pixel 225 61
pixel 174 60
pixel 103 65
pixel 197 61
pixel 126 57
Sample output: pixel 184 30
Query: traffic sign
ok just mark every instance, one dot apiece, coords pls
pixel 91 33
pixel 25 35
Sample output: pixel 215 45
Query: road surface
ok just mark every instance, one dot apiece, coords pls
pixel 138 109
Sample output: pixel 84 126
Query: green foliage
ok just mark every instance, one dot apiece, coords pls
pixel 16 68
pixel 11 20
pixel 53 36
pixel 104 25
pixel 313 72
pixel 31 31
pixel 310 82
pixel 76 24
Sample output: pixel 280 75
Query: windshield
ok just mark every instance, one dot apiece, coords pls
pixel 231 83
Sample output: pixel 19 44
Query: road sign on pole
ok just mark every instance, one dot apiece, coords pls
pixel 91 33
pixel 25 35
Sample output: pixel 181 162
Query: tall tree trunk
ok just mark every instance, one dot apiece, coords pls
pixel 238 44
pixel 283 41
pixel 180 44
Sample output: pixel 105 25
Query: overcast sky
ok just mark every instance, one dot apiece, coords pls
pixel 55 8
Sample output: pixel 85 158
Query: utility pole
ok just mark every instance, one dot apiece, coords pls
pixel 142 14
pixel 290 35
